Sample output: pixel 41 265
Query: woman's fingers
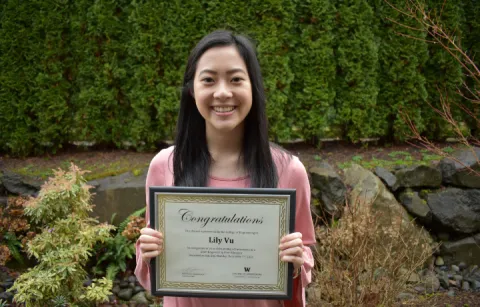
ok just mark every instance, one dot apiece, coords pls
pixel 151 243
pixel 148 255
pixel 145 247
pixel 292 243
pixel 291 236
pixel 295 260
pixel 151 232
pixel 150 239
pixel 294 251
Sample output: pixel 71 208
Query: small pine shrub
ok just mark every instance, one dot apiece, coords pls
pixel 64 245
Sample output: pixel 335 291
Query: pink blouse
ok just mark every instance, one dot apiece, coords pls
pixel 292 174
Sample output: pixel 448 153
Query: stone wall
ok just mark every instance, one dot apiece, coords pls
pixel 443 198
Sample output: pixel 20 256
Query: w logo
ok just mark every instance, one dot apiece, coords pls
pixel 246 269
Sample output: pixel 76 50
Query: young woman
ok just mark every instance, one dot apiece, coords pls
pixel 222 142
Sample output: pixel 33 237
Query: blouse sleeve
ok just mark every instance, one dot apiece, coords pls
pixel 303 221
pixel 303 217
pixel 155 177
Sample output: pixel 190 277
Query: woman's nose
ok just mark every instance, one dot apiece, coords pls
pixel 222 91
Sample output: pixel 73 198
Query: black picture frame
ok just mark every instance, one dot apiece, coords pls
pixel 285 294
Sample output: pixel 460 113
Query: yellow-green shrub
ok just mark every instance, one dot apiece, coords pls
pixel 64 245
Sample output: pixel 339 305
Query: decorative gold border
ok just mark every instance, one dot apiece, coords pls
pixel 282 201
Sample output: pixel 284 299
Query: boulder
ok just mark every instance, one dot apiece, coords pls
pixel 21 185
pixel 465 250
pixel 456 170
pixel 125 294
pixel 387 177
pixel 419 176
pixel 430 282
pixel 120 195
pixel 3 191
pixel 369 189
pixel 140 298
pixel 328 188
pixel 456 210
pixel 417 206
pixel 366 188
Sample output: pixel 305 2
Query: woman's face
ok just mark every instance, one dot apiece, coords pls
pixel 222 89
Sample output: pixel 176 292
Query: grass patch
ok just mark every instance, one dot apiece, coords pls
pixel 396 158
pixel 95 170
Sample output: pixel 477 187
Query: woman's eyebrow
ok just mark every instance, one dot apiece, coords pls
pixel 213 72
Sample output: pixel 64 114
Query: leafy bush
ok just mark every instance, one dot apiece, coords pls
pixel 14 230
pixel 113 254
pixel 64 245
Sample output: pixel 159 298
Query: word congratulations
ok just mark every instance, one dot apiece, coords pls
pixel 188 216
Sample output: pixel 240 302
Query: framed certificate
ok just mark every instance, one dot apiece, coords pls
pixel 222 242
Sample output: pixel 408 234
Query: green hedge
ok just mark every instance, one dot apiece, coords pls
pixel 110 72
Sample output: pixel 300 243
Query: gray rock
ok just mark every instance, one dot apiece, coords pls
pixel 7 296
pixel 458 277
pixel 124 284
pixel 465 286
pixel 417 206
pixel 466 250
pixel 443 278
pixel 443 236
pixel 451 293
pixel 455 268
pixel 419 176
pixel 402 297
pixel 431 282
pixel 125 294
pixel 21 185
pixel 419 289
pixel 369 189
pixel 387 177
pixel 6 284
pixel 87 282
pixel 330 187
pixel 439 261
pixel 473 272
pixel 3 191
pixel 116 289
pixel 455 209
pixel 138 289
pixel 122 195
pixel 475 285
pixel 140 298
pixel 131 279
pixel 413 278
pixel 457 173
pixel 462 266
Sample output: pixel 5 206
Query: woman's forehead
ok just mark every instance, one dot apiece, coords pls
pixel 224 58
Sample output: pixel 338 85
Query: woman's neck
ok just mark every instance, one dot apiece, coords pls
pixel 226 151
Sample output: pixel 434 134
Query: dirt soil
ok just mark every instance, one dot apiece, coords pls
pixel 103 163
pixel 461 299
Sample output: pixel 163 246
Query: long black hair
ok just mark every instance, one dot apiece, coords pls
pixel 191 158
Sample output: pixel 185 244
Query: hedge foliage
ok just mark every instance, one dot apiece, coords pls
pixel 110 72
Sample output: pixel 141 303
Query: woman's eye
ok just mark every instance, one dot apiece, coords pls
pixel 236 79
pixel 207 80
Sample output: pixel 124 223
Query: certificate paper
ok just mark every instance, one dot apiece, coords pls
pixel 221 242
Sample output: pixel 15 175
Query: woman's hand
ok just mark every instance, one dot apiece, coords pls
pixel 291 249
pixel 151 243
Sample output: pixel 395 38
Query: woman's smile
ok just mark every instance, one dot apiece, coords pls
pixel 224 111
